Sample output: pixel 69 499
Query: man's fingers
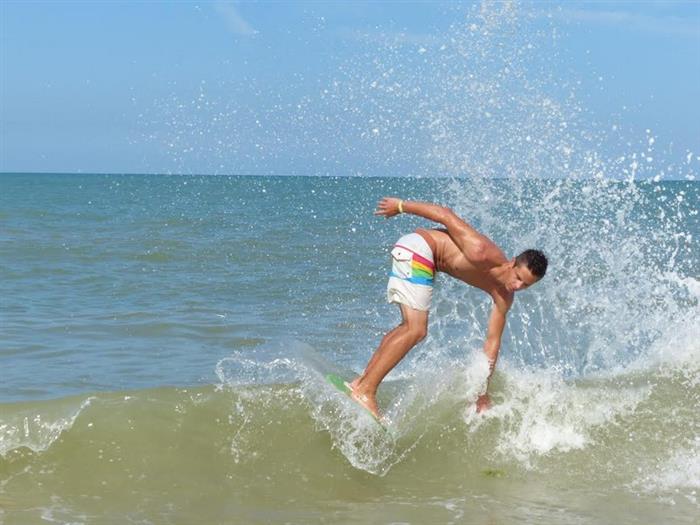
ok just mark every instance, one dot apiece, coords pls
pixel 383 207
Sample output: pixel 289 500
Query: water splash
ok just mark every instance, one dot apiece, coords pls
pixel 38 430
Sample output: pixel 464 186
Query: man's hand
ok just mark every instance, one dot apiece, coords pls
pixel 388 207
pixel 483 403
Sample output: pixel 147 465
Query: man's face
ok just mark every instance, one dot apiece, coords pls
pixel 520 278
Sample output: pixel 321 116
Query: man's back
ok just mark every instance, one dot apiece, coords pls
pixel 452 261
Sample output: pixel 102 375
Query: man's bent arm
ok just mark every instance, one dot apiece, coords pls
pixel 443 215
pixel 468 240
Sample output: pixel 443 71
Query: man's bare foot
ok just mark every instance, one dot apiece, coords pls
pixel 366 401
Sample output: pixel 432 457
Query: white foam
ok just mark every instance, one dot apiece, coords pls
pixel 543 414
pixel 251 368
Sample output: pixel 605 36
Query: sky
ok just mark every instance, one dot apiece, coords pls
pixel 337 88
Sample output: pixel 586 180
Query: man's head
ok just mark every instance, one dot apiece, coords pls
pixel 528 268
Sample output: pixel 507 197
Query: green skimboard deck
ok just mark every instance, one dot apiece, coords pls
pixel 338 382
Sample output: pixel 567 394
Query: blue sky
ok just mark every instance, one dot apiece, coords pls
pixel 338 87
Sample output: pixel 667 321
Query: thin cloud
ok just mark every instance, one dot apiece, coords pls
pixel 660 24
pixel 233 19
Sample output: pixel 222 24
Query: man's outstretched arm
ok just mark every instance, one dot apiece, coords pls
pixel 474 245
pixel 492 345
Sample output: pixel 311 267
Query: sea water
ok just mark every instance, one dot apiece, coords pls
pixel 156 329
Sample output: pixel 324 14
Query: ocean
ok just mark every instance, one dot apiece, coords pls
pixel 159 339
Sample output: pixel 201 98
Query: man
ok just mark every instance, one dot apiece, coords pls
pixel 459 251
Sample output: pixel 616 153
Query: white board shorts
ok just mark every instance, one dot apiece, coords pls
pixel 412 273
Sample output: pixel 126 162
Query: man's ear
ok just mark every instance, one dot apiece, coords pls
pixel 513 262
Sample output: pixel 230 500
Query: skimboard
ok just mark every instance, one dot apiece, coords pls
pixel 335 377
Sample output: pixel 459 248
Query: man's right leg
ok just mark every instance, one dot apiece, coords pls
pixel 394 346
pixel 385 340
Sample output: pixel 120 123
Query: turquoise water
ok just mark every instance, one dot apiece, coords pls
pixel 120 282
pixel 126 282
pixel 156 334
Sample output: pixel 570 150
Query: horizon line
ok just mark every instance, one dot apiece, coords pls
pixel 312 175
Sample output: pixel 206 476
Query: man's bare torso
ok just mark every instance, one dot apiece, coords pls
pixel 450 260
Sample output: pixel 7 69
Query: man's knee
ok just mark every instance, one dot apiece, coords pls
pixel 418 332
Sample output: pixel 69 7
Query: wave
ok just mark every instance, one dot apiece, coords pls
pixel 273 441
pixel 621 423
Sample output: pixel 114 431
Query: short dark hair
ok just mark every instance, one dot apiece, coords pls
pixel 535 260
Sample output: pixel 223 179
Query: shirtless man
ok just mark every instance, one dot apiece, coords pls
pixel 457 250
